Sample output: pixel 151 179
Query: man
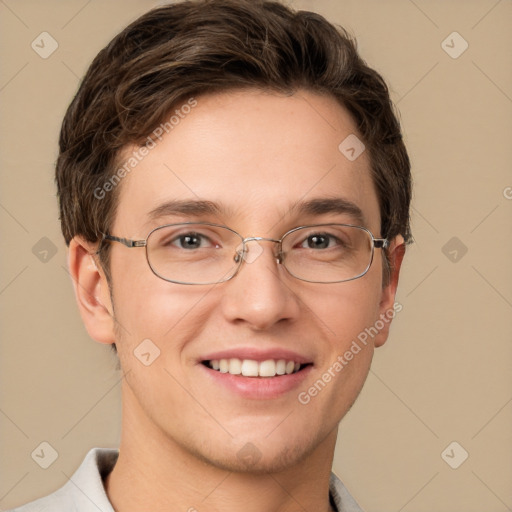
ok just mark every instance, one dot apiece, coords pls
pixel 234 191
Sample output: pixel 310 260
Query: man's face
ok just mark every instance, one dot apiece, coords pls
pixel 255 155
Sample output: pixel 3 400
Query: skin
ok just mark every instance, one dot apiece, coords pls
pixel 255 153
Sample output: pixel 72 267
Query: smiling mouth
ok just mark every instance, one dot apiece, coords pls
pixel 253 368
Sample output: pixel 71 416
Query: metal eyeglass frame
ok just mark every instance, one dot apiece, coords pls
pixel 377 243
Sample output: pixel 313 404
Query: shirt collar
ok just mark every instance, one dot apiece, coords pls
pixel 87 491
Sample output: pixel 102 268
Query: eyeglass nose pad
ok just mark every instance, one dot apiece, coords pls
pixel 248 254
pixel 238 256
pixel 239 253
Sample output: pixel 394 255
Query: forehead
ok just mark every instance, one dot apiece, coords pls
pixel 256 154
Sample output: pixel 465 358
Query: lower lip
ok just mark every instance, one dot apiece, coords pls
pixel 258 388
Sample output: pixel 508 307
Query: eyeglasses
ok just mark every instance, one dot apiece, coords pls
pixel 205 253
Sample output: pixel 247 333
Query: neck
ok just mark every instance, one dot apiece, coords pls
pixel 155 473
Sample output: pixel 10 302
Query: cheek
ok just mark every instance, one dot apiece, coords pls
pixel 147 307
pixel 346 309
pixel 344 312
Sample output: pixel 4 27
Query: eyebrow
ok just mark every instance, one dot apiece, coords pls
pixel 324 205
pixel 185 207
pixel 312 207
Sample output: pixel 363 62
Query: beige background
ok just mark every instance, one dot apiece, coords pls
pixel 445 374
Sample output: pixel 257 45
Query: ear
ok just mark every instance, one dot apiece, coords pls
pixel 91 291
pixel 387 306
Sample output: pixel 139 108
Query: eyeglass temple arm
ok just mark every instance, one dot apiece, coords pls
pixel 124 241
pixel 381 243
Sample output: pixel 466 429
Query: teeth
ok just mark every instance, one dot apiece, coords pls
pixel 235 366
pixel 267 368
pixel 252 368
pixel 224 365
pixel 249 368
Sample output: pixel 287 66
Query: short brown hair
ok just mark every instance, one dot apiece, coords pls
pixel 197 47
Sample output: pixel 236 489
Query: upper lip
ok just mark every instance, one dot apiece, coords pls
pixel 257 354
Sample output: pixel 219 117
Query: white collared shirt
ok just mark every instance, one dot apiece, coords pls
pixel 84 492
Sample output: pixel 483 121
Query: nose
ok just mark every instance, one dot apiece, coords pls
pixel 260 295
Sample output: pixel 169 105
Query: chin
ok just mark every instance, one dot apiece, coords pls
pixel 260 456
pixel 260 462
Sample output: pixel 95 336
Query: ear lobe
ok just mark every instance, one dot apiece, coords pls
pixel 91 291
pixel 387 305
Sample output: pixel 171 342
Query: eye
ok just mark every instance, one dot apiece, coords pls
pixel 320 241
pixel 190 241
